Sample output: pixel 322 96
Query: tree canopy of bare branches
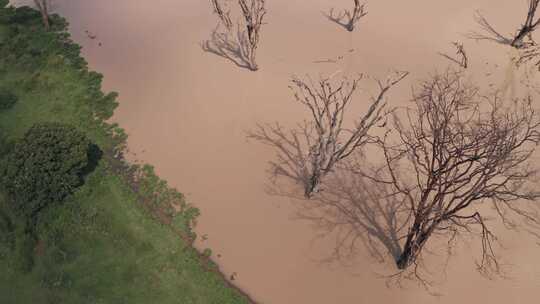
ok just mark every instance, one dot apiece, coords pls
pixel 523 36
pixel 44 6
pixel 308 153
pixel 348 19
pixel 462 60
pixel 240 45
pixel 460 155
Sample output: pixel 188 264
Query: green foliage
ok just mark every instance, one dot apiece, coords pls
pixel 157 194
pixel 7 100
pixel 207 252
pixel 45 166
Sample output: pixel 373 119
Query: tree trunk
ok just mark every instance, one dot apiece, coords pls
pixel 45 18
pixel 44 10
pixel 415 241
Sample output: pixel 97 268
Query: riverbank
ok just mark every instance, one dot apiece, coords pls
pixel 125 236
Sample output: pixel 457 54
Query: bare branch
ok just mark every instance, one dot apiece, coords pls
pixel 240 46
pixel 523 37
pixel 310 152
pixel 253 16
pixel 460 156
pixel 348 19
pixel 462 60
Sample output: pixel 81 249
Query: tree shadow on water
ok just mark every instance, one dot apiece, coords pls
pixel 357 212
pixel 228 45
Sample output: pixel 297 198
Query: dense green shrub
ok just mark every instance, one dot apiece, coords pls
pixel 45 166
pixel 7 100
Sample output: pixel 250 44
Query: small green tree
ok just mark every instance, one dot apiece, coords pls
pixel 45 166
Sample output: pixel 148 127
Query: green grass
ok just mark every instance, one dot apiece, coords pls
pixel 101 245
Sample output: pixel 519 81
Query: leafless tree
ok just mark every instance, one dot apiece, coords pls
pixel 462 150
pixel 306 154
pixel 253 15
pixel 238 46
pixel 223 15
pixel 522 38
pixel 462 60
pixel 44 6
pixel 348 19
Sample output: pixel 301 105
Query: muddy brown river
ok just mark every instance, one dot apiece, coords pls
pixel 187 111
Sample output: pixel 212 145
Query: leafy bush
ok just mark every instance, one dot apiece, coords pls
pixel 45 166
pixel 7 100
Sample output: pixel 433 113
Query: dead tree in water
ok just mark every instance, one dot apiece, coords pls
pixel 347 19
pixel 460 156
pixel 223 15
pixel 518 41
pixel 239 47
pixel 522 40
pixel 462 60
pixel 253 15
pixel 44 6
pixel 307 154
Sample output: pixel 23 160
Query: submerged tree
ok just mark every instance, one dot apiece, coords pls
pixel 253 15
pixel 522 38
pixel 307 154
pixel 44 6
pixel 239 47
pixel 348 19
pixel 462 150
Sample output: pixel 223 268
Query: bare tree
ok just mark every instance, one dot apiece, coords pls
pixel 223 15
pixel 253 15
pixel 308 153
pixel 239 47
pixel 44 6
pixel 462 60
pixel 459 157
pixel 518 41
pixel 348 19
